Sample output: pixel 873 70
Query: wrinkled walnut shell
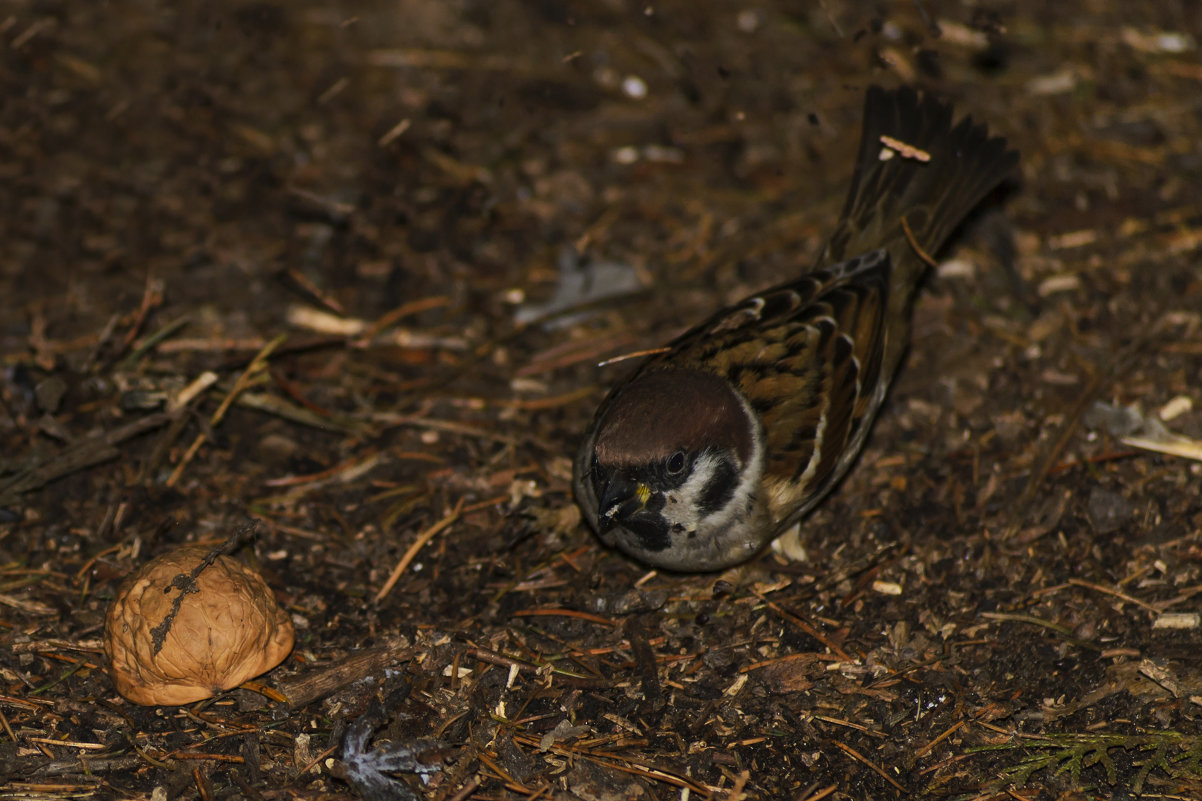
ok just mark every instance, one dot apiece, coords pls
pixel 228 630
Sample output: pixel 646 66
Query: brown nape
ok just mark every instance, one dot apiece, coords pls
pixel 664 411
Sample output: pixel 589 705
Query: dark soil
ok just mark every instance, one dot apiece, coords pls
pixel 395 189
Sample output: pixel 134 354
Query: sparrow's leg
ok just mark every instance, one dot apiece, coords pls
pixel 789 544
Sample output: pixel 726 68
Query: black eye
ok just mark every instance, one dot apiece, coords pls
pixel 676 463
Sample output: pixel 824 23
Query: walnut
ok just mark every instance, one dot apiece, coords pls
pixel 180 630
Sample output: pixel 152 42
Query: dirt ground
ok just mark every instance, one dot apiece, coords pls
pixel 354 223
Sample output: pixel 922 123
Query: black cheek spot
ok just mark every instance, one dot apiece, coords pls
pixel 720 488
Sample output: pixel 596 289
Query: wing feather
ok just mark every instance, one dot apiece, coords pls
pixel 807 355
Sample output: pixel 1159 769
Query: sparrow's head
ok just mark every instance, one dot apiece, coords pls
pixel 670 471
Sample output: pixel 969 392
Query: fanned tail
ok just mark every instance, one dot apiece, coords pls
pixel 933 196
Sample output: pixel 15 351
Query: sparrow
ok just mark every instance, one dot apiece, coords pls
pixel 727 437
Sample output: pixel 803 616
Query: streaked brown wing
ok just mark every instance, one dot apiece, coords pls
pixel 807 356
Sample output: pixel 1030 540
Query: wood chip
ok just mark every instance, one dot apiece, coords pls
pixel 904 150
pixel 1178 620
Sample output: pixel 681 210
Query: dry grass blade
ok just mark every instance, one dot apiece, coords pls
pixel 248 376
pixel 1177 446
pixel 84 454
pixel 854 754
pixel 419 543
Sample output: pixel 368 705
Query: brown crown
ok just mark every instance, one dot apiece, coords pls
pixel 664 411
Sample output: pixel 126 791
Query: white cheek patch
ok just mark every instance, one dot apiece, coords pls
pixel 681 507
pixel 725 535
pixel 737 511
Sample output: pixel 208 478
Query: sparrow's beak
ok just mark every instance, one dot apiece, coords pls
pixel 621 500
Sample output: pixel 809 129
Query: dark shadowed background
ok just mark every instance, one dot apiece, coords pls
pixel 999 602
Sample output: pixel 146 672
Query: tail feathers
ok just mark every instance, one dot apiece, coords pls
pixel 933 196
